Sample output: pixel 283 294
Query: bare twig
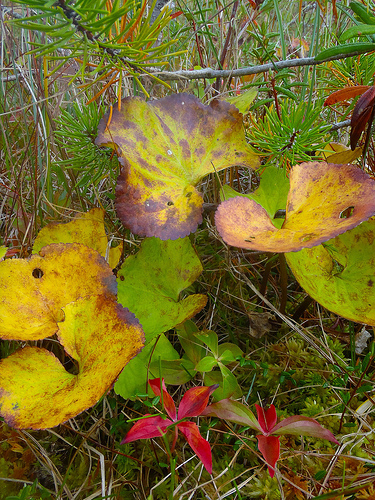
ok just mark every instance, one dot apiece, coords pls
pixel 249 70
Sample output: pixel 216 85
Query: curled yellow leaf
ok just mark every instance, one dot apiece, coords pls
pixel 35 389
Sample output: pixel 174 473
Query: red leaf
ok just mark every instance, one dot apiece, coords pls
pixel 195 401
pixel 200 446
pixel 345 94
pixel 169 405
pixel 176 14
pixel 266 418
pixel 147 428
pixel 361 115
pixel 269 446
pixel 303 426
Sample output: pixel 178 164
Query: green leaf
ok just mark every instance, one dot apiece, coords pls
pixel 194 348
pixel 365 388
pixel 210 339
pixel 214 377
pixel 273 190
pixel 340 274
pixel 271 194
pixel 3 251
pixel 150 283
pixel 243 101
pixel 206 364
pixel 233 411
pixel 229 352
pixel 133 378
pixel 231 387
pixel 359 30
pixel 363 12
pixel 174 372
pixel 345 49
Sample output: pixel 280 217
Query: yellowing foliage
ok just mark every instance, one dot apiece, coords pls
pixel 319 196
pixel 166 147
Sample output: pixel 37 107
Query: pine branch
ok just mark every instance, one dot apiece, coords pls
pixel 75 18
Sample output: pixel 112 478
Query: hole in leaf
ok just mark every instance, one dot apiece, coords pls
pixel 348 212
pixel 170 203
pixel 308 237
pixel 53 346
pixel 188 195
pixel 280 214
pixel 71 365
pixel 337 268
pixel 37 273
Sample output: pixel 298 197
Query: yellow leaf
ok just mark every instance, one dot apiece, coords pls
pixel 33 291
pixel 37 392
pixel 86 228
pixel 324 200
pixel 166 147
pixel 335 152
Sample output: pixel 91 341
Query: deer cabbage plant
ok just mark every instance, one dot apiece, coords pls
pixel 67 286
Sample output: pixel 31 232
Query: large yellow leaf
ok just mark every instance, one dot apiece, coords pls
pixel 166 147
pixel 33 291
pixel 340 274
pixel 86 228
pixel 35 389
pixel 324 201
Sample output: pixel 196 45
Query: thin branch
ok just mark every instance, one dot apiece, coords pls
pixel 249 70
pixel 337 126
pixel 74 17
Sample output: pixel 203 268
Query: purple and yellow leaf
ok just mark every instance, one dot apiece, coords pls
pixel 166 147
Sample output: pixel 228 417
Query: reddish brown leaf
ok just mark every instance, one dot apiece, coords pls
pixel 345 94
pixel 361 115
